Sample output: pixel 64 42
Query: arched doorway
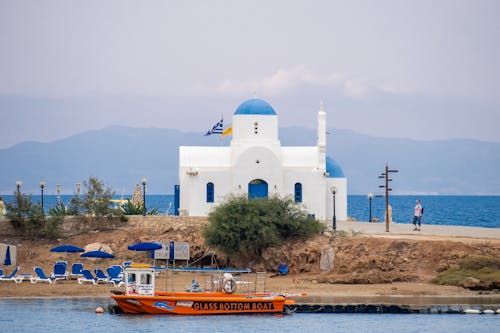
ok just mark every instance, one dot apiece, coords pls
pixel 257 188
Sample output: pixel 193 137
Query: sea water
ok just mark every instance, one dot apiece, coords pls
pixel 477 211
pixel 76 315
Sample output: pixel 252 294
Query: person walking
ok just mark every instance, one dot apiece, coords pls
pixel 417 216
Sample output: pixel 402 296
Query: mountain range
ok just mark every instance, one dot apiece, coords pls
pixel 122 156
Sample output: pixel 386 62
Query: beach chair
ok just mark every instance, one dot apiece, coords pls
pixel 119 269
pixel 101 277
pixel 76 270
pixel 60 271
pixel 114 276
pixel 87 277
pixel 40 276
pixel 12 276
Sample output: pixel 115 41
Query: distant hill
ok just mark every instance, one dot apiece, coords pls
pixel 121 156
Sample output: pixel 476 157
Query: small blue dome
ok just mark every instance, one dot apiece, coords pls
pixel 255 106
pixel 333 168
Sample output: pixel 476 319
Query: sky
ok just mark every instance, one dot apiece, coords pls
pixel 425 69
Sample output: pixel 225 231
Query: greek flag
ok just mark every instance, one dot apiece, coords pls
pixel 216 129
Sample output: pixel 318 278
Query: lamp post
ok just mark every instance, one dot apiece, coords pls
pixel 42 186
pixel 78 185
pixel 144 182
pixel 58 190
pixel 385 176
pixel 370 198
pixel 18 185
pixel 334 219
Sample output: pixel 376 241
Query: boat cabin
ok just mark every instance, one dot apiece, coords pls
pixel 139 280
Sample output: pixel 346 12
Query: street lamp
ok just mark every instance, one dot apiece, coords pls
pixel 370 198
pixel 18 185
pixel 58 189
pixel 334 219
pixel 42 186
pixel 144 182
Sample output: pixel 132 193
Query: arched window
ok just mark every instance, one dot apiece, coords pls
pixel 210 192
pixel 298 192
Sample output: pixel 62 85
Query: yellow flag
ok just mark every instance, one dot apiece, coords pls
pixel 228 131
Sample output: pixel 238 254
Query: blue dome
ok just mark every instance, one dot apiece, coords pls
pixel 255 106
pixel 333 168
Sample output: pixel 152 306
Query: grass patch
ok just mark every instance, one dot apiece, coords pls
pixel 482 268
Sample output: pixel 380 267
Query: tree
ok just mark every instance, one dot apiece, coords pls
pixel 244 227
pixel 97 200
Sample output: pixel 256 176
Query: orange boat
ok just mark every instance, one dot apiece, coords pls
pixel 222 297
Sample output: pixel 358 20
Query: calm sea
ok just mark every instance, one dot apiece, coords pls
pixel 479 211
pixel 77 315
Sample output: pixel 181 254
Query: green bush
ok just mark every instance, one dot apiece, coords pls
pixel 29 218
pixel 129 208
pixel 481 268
pixel 244 227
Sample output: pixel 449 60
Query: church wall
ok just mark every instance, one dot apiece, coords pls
pixel 193 199
pixel 313 184
pixel 244 129
pixel 258 163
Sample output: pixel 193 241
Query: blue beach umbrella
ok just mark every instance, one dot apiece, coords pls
pixel 97 254
pixel 7 261
pixel 67 248
pixel 145 246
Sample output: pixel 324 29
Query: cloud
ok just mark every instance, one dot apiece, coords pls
pixel 280 82
pixel 284 80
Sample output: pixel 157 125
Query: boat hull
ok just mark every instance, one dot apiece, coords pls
pixel 203 303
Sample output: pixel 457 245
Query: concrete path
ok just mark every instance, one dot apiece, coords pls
pixel 374 228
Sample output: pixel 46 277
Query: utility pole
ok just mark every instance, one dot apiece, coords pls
pixel 385 175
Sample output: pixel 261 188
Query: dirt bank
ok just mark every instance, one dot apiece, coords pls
pixel 374 264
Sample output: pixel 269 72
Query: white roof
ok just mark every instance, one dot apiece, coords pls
pixel 200 156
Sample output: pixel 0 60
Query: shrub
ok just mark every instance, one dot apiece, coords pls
pixel 244 227
pixel 29 218
pixel 482 268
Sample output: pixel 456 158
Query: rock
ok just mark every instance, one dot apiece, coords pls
pixel 326 260
pixel 469 283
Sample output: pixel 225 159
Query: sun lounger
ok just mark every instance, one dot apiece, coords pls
pixel 76 270
pixel 12 276
pixel 41 276
pixel 60 271
pixel 87 277
pixel 101 277
pixel 114 276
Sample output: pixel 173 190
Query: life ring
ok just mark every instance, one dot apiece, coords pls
pixel 229 286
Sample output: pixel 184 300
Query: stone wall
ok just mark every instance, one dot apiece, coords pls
pixel 73 224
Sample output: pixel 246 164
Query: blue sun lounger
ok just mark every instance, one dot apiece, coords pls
pixel 12 276
pixel 41 276
pixel 87 277
pixel 114 276
pixel 76 270
pixel 60 272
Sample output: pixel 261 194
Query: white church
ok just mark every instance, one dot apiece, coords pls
pixel 255 164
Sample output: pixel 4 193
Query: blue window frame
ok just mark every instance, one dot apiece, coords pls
pixel 298 192
pixel 210 192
